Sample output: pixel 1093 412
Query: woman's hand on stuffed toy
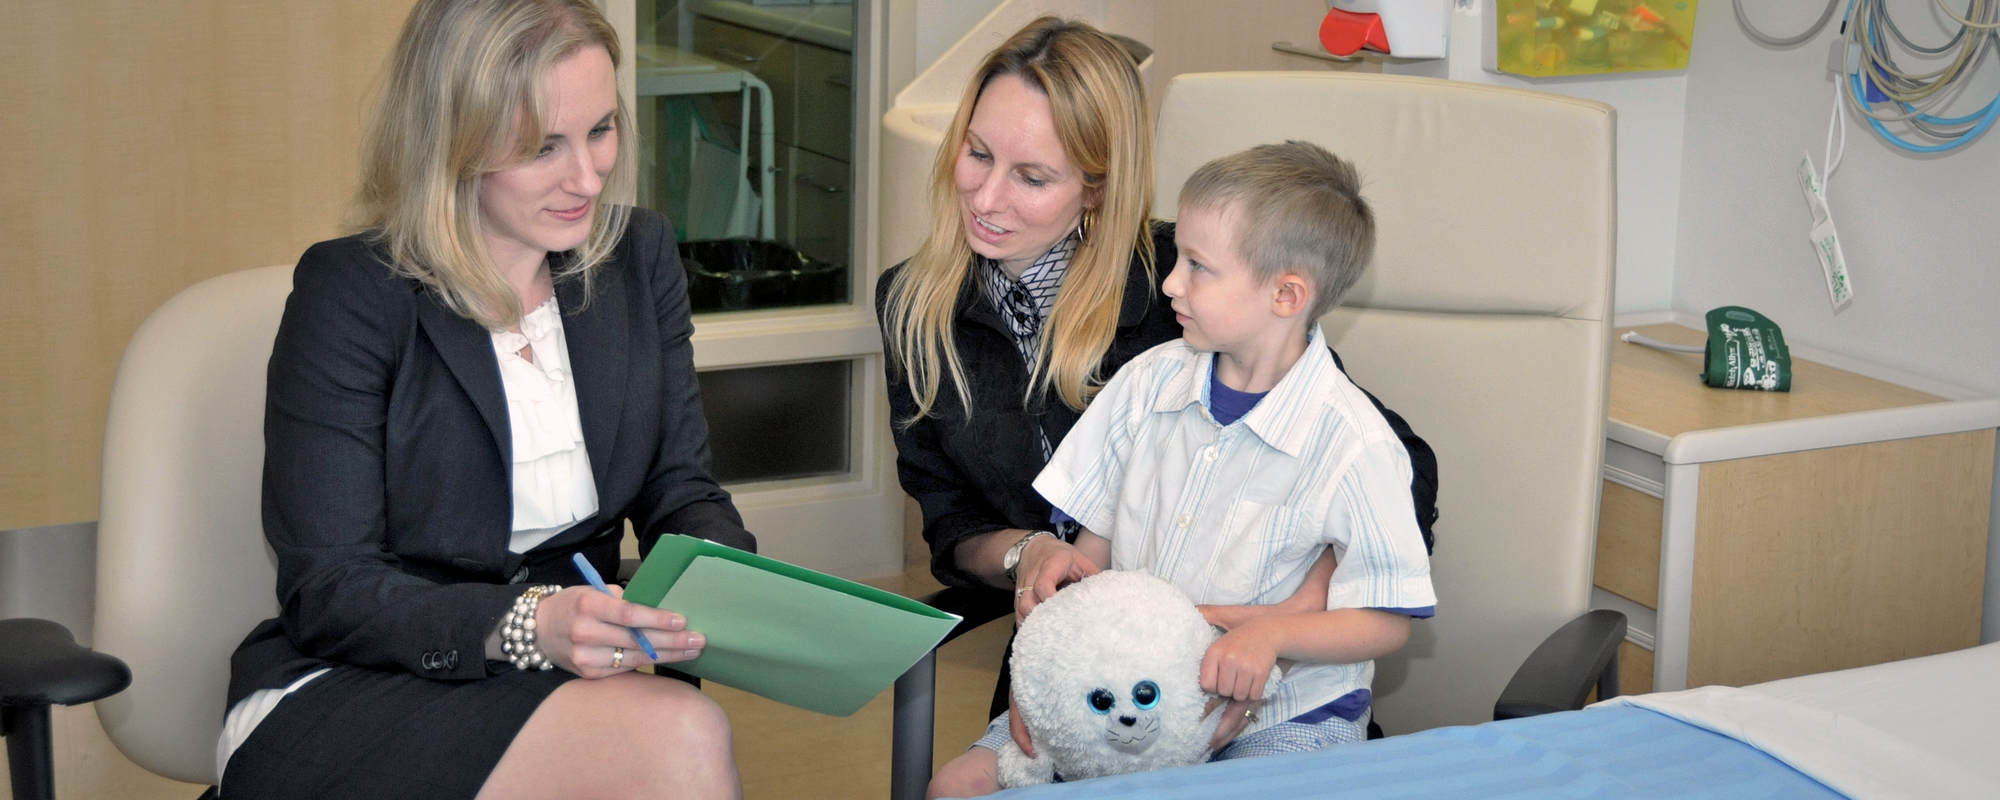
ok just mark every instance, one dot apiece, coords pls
pixel 1018 727
pixel 1236 715
pixel 1047 565
pixel 1237 665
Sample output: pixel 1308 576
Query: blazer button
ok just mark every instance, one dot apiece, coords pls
pixel 425 660
pixel 451 660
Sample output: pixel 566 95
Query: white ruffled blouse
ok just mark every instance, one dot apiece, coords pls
pixel 553 486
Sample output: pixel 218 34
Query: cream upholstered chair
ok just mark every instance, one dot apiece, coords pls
pixel 183 572
pixel 1483 320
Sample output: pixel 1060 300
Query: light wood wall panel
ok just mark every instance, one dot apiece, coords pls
pixel 149 146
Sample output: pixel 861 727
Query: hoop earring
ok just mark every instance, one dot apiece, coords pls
pixel 1083 224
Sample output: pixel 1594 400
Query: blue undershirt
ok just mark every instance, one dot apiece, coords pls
pixel 1225 404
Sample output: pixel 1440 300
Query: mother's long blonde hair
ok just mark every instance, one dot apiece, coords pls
pixel 1100 115
pixel 464 97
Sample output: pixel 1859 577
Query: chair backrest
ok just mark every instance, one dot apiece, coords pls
pixel 1483 320
pixel 182 569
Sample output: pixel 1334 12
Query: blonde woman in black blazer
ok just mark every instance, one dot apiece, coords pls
pixel 389 480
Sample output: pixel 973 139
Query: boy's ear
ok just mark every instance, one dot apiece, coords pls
pixel 1291 294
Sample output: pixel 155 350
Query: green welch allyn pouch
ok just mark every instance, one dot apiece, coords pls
pixel 1745 350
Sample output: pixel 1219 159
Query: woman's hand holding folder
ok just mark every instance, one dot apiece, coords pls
pixel 589 632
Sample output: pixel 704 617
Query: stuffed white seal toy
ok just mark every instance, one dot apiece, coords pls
pixel 1107 679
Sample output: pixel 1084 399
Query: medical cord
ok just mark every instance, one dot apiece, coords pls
pixel 1913 96
pixel 1910 86
pixel 1785 41
pixel 1896 83
pixel 1896 32
pixel 1833 151
pixel 1970 19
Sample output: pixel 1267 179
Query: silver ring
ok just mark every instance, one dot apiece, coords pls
pixel 1250 715
pixel 617 658
pixel 1023 590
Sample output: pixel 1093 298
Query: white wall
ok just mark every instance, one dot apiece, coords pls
pixel 939 23
pixel 1920 233
pixel 1650 109
pixel 918 32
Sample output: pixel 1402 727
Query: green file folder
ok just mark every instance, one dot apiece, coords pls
pixel 779 630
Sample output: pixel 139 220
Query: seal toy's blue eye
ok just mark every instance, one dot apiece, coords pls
pixel 1146 694
pixel 1101 701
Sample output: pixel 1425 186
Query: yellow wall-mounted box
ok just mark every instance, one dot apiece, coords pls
pixel 1549 38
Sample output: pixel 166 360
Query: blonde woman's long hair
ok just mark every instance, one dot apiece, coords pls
pixel 1100 115
pixel 463 97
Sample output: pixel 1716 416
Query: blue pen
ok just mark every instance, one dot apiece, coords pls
pixel 590 574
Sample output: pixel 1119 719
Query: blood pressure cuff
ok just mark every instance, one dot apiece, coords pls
pixel 1746 350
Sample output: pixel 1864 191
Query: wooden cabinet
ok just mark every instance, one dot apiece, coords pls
pixel 1758 535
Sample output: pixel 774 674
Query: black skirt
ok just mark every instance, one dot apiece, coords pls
pixel 356 732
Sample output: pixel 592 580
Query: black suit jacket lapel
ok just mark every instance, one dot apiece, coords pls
pixel 467 350
pixel 598 337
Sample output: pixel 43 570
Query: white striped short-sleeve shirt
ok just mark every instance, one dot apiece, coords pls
pixel 1235 514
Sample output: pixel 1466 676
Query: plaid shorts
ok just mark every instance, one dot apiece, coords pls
pixel 1294 737
pixel 1279 739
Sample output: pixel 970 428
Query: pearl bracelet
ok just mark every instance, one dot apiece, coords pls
pixel 517 630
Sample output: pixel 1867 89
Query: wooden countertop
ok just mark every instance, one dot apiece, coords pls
pixel 1662 392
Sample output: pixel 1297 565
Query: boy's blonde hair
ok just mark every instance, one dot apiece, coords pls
pixel 463 97
pixel 1298 209
pixel 1099 106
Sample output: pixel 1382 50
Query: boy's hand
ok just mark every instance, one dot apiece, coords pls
pixel 1237 665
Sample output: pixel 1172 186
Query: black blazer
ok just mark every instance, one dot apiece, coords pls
pixel 387 458
pixel 974 476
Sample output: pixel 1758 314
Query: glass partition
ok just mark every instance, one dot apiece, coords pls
pixel 745 113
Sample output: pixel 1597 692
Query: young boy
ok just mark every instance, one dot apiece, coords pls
pixel 1227 461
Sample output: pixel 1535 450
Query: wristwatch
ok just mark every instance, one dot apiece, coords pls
pixel 1012 560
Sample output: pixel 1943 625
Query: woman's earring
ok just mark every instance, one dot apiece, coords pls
pixel 1083 225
